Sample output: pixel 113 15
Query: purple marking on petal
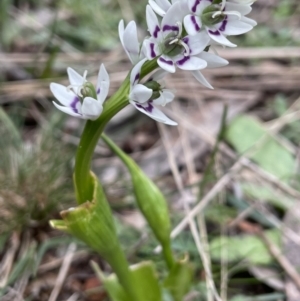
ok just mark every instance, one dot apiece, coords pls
pixel 153 54
pixel 74 104
pixel 194 7
pixel 149 107
pixel 223 25
pixel 183 60
pixel 98 91
pixel 185 40
pixel 169 62
pixel 156 31
pixel 193 19
pixel 137 77
pixel 215 33
pixel 171 27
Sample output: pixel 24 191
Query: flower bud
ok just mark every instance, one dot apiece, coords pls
pixel 148 197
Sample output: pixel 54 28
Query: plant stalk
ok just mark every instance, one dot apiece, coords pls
pixel 92 132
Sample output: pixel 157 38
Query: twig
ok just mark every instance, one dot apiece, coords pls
pixel 8 259
pixel 190 220
pixel 281 259
pixel 63 272
pixel 205 200
pixel 55 263
pixel 187 151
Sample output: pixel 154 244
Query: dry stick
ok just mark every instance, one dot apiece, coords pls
pixel 8 258
pixel 55 263
pixel 208 138
pixel 63 272
pixel 205 200
pixel 282 260
pixel 187 152
pixel 191 222
pixel 243 161
pixel 74 297
pixel 247 53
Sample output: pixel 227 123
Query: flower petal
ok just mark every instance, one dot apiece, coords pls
pixel 158 75
pixel 166 96
pixel 140 93
pixel 164 4
pixel 75 78
pixel 166 63
pixel 131 43
pixel 102 84
pixel 152 111
pixel 197 6
pixel 213 60
pixel 67 110
pixel 175 14
pixel 219 38
pixel 198 42
pixel 192 24
pixel 249 21
pixel 135 72
pixel 121 29
pixel 152 22
pixel 190 63
pixel 241 8
pixel 91 108
pixel 62 94
pixel 150 48
pixel 201 79
pixel 158 9
pixel 236 27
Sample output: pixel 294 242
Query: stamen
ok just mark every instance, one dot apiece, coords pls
pixel 79 87
pixel 84 75
pixel 186 47
pixel 217 13
pixel 174 41
pixel 227 13
pixel 223 4
pixel 233 13
pixel 179 24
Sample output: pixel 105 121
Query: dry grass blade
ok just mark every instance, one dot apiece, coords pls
pixel 190 220
pixel 8 259
pixel 63 272
pixel 281 259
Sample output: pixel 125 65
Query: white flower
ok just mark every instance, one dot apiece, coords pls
pixel 213 61
pixel 219 20
pixel 129 40
pixel 80 99
pixel 166 41
pixel 161 6
pixel 147 99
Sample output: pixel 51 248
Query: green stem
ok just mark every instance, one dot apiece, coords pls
pixel 168 255
pixel 92 132
pixel 120 267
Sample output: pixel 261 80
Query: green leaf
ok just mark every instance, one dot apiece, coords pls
pixel 242 247
pixel 244 131
pixel 179 279
pixel 268 194
pixel 145 281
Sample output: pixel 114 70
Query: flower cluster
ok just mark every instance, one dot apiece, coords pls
pixel 182 33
